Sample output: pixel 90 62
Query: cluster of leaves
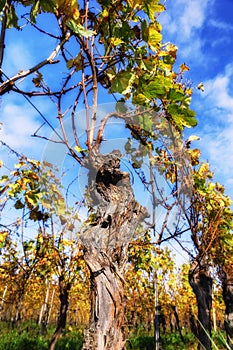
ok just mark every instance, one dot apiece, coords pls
pixel 137 64
pixel 53 247
pixel 212 215
pixel 147 77
pixel 148 265
pixel 33 187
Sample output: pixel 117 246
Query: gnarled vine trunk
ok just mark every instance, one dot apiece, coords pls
pixel 105 243
pixel 201 283
pixel 227 292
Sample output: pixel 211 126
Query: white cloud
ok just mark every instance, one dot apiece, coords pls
pixel 192 17
pixel 218 90
pixel 19 123
pixel 220 25
pixel 184 17
pixel 216 108
pixel 221 40
pixel 182 24
pixel 17 57
pixel 217 147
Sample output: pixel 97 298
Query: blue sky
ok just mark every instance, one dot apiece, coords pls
pixel 203 32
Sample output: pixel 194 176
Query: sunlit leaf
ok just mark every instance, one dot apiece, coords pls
pixel 184 67
pixel 35 10
pixel 154 37
pixel 201 87
pixel 79 29
pixel 122 82
pixel 12 19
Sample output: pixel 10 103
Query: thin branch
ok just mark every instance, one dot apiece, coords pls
pixel 95 93
pixel 66 141
pixel 34 93
pixel 165 222
pixel 39 29
pixel 87 81
pixel 86 106
pixel 154 199
pixel 46 138
pixel 3 32
pixel 73 121
pixel 99 136
pixel 177 241
pixel 172 236
pixel 7 85
pixel 67 80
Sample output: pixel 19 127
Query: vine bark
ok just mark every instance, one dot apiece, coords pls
pixel 201 283
pixel 105 241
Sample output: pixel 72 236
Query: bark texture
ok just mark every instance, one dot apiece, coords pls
pixel 227 289
pixel 105 242
pixel 201 283
pixel 64 289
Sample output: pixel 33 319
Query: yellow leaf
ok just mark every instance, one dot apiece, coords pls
pixel 172 50
pixel 66 242
pixel 105 13
pixel 184 67
pixel 154 37
pixel 194 155
pixel 116 41
pixel 3 236
pixel 189 92
pixel 69 8
pixel 201 87
pixel 204 168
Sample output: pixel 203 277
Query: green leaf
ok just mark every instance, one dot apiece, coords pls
pixel 3 179
pixel 146 123
pixel 75 62
pixel 2 4
pixel 79 149
pixel 18 204
pixel 79 29
pixel 151 8
pixel 182 116
pixel 121 106
pixel 70 63
pixel 145 30
pixel 47 6
pixel 140 99
pixel 31 199
pixel 28 245
pixel 154 36
pixel 12 19
pixel 35 10
pixel 116 41
pixel 157 87
pixel 175 95
pixel 122 82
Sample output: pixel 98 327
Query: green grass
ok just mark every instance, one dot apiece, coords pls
pixel 170 341
pixel 28 338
